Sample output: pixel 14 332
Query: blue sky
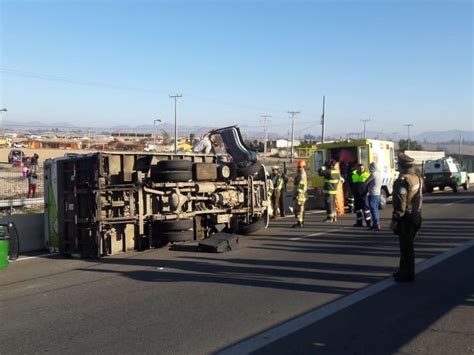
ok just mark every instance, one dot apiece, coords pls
pixel 104 63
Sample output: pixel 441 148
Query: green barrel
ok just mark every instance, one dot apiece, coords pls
pixel 4 245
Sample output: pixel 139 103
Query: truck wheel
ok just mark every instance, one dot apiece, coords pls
pixel 175 226
pixel 429 189
pixel 248 170
pixel 253 227
pixel 174 165
pixel 174 237
pixel 466 185
pixel 383 199
pixel 172 176
pixel 441 188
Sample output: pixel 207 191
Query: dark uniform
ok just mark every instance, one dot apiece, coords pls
pixel 359 190
pixel 346 174
pixel 406 218
pixel 331 179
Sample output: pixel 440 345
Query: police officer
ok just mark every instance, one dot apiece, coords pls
pixel 406 217
pixel 277 180
pixel 359 190
pixel 301 187
pixel 331 179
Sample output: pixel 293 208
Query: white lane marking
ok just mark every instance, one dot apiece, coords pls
pixel 459 201
pixel 316 315
pixel 32 257
pixel 319 233
pixel 306 213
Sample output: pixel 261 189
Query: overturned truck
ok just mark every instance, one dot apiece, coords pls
pixel 109 202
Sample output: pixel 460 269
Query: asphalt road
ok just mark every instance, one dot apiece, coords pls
pixel 184 302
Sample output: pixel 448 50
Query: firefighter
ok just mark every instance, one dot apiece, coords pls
pixel 359 190
pixel 331 179
pixel 301 187
pixel 406 217
pixel 277 180
pixel 346 176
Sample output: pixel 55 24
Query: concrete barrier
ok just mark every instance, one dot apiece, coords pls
pixel 30 229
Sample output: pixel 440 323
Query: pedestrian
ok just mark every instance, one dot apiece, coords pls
pixel 340 208
pixel 277 181
pixel 331 179
pixel 283 191
pixel 406 217
pixel 205 145
pixel 32 182
pixel 34 162
pixel 359 190
pixel 346 175
pixel 300 193
pixel 374 186
pixel 24 171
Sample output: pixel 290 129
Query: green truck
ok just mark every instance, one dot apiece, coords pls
pixel 445 172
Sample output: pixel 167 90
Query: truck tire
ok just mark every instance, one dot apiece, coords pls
pixel 429 188
pixel 175 226
pixel 383 199
pixel 174 165
pixel 441 188
pixel 466 185
pixel 174 237
pixel 172 176
pixel 253 227
pixel 248 170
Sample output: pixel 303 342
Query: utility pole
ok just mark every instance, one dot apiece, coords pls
pixel 175 97
pixel 322 121
pixel 1 121
pixel 408 125
pixel 365 121
pixel 293 114
pixel 265 132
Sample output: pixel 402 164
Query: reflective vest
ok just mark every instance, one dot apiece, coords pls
pixel 331 179
pixel 277 181
pixel 356 177
pixel 301 186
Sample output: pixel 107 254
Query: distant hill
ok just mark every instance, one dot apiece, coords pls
pixel 449 136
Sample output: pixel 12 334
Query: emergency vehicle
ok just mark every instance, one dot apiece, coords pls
pixel 349 153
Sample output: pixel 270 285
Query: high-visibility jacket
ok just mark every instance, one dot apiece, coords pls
pixel 301 187
pixel 331 179
pixel 359 186
pixel 278 182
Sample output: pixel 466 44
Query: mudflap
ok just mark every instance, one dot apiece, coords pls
pixel 219 243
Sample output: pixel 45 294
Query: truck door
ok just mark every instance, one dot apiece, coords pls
pixel 319 157
pixel 363 155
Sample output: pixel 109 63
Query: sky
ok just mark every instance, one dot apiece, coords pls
pixel 105 63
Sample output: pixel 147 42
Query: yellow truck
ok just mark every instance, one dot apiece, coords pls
pixel 349 153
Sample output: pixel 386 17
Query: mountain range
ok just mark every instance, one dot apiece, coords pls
pixel 247 132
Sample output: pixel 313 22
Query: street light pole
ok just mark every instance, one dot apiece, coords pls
pixel 408 125
pixel 154 133
pixel 1 119
pixel 175 97
pixel 365 121
pixel 293 114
